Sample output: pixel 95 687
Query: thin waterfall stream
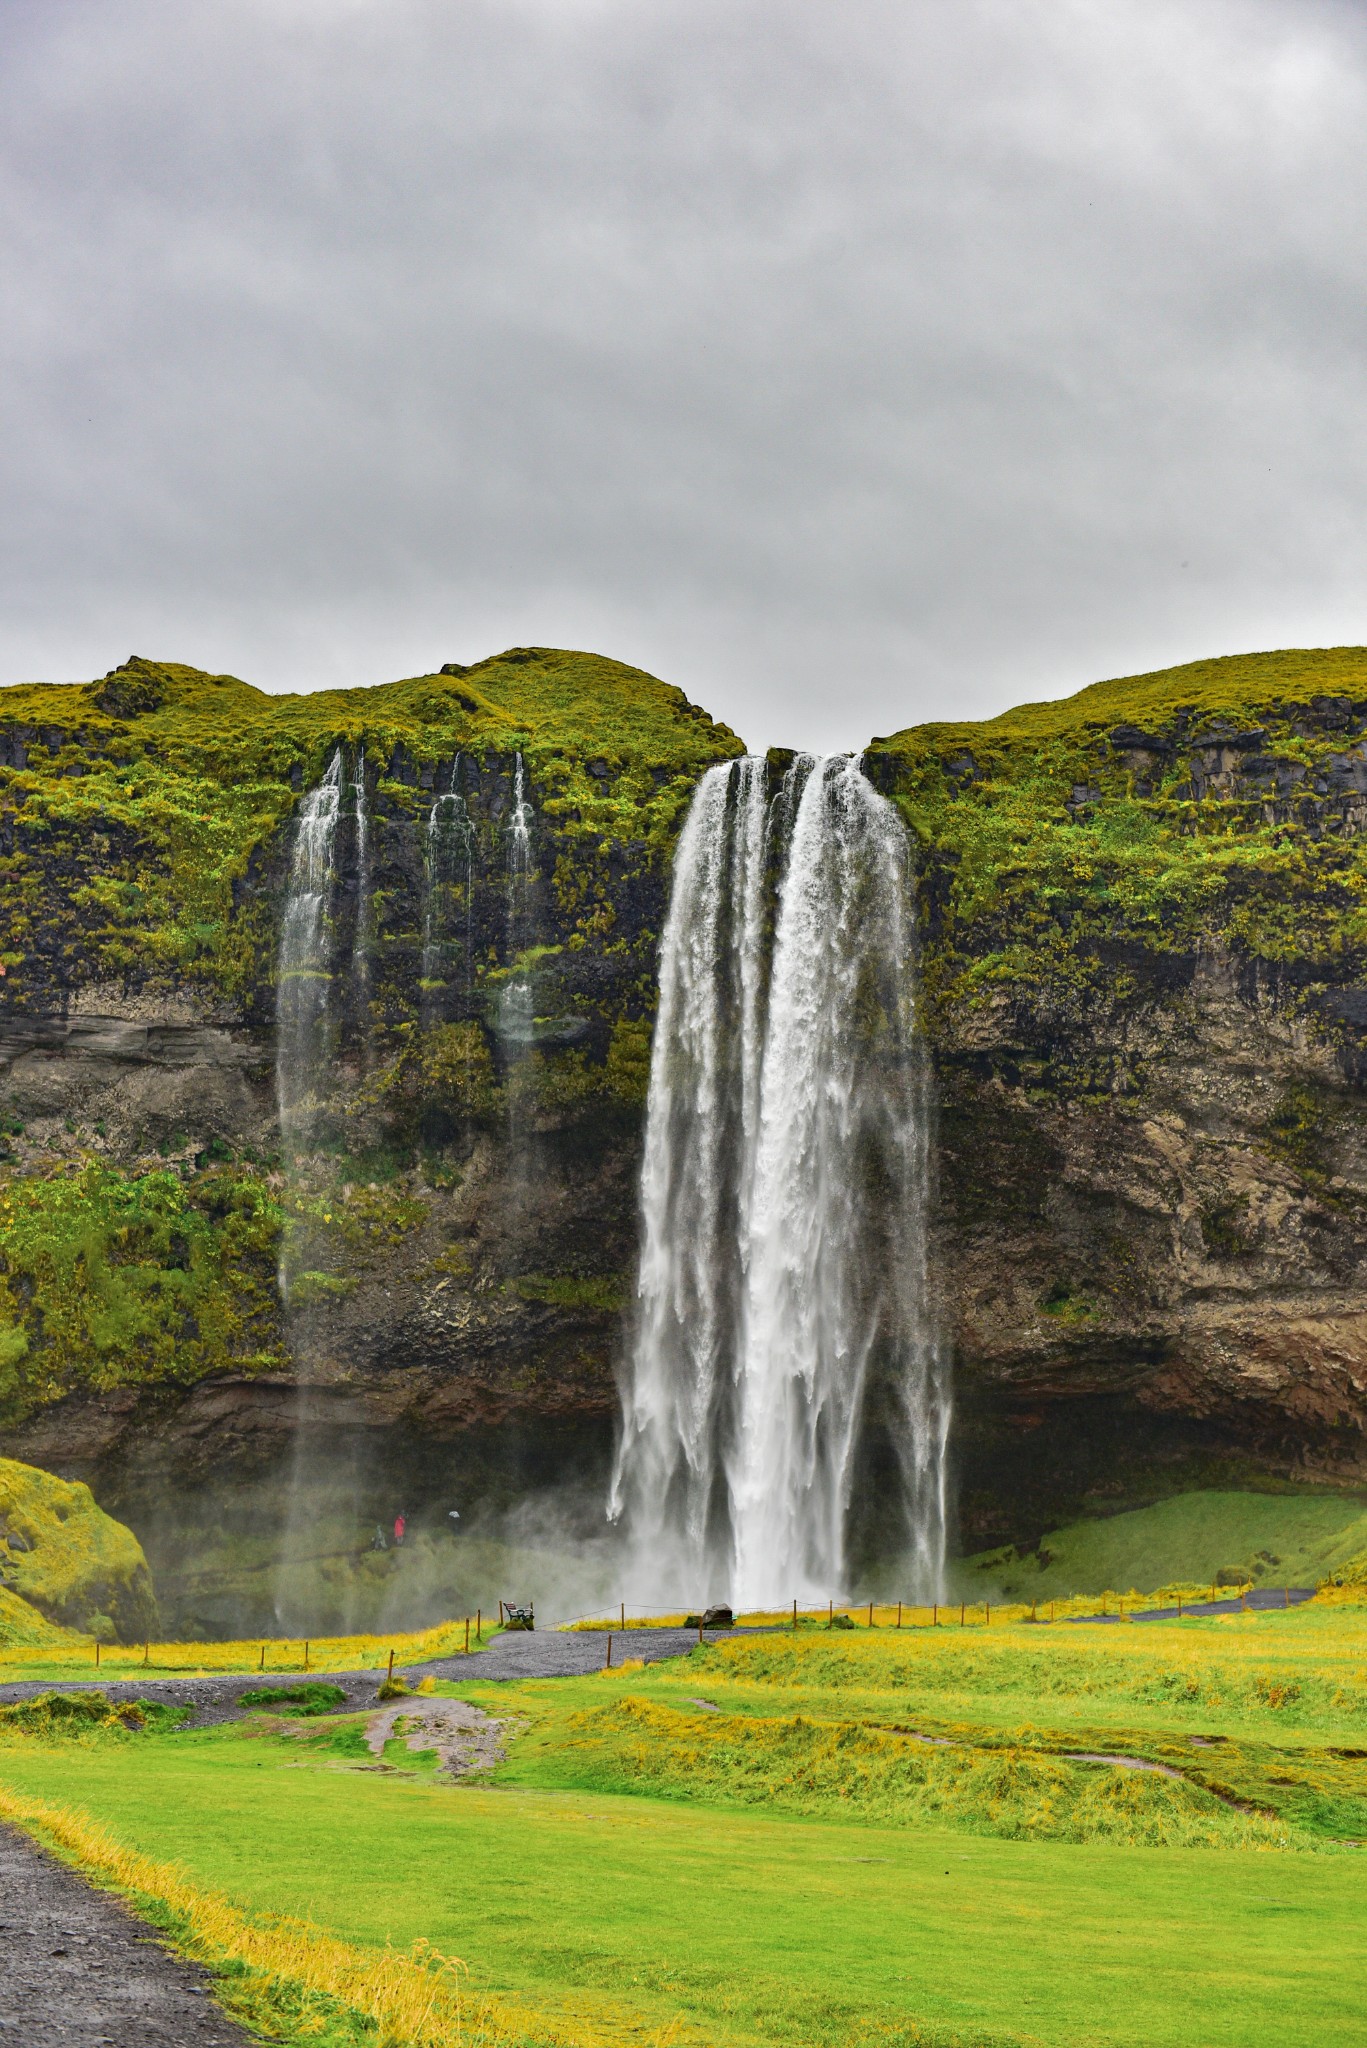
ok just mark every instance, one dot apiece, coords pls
pixel 304 967
pixel 786 1408
pixel 448 862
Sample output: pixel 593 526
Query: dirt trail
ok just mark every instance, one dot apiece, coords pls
pixel 466 1739
pixel 80 1971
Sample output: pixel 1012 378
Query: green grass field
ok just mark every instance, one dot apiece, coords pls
pixel 1274 1539
pixel 789 1863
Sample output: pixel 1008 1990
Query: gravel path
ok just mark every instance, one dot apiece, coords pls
pixel 516 1655
pixel 80 1971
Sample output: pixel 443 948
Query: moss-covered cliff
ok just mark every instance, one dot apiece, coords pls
pixel 462 1221
pixel 1143 950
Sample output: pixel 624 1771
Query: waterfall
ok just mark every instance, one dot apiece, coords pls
pixel 784 1325
pixel 307 1008
pixel 304 1023
pixel 516 1006
pixel 448 857
pixel 361 934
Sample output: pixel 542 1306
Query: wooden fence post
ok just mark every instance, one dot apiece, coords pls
pixel 608 1665
pixel 97 1653
pixel 899 1614
pixel 987 1614
pixel 391 1664
pixel 467 1635
pixel 479 1624
pixel 870 1614
pixel 622 1616
pixel 262 1665
pixel 794 1614
pixel 306 1656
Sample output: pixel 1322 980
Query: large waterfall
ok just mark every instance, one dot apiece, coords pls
pixel 787 1408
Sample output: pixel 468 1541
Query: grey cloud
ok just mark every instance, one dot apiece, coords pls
pixel 845 365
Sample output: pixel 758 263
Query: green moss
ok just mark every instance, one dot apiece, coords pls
pixel 111 1277
pixel 67 1558
pixel 1064 844
pixel 147 796
pixel 603 1293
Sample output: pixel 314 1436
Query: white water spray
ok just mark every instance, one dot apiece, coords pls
pixel 517 1005
pixel 785 1335
pixel 304 967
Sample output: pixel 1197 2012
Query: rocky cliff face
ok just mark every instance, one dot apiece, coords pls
pixel 1144 950
pixel 1143 965
pixel 457 1225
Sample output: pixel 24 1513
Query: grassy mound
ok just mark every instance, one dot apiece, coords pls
pixel 22 1627
pixel 1264 1538
pixel 68 1559
pixel 893 1776
pixel 305 1699
pixel 53 1716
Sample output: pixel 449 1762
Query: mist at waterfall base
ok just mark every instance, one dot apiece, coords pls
pixel 786 1404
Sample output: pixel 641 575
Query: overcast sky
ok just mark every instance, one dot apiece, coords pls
pixel 848 364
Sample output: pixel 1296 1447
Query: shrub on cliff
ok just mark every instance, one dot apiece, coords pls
pixel 69 1560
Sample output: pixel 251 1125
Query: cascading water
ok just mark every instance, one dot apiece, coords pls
pixel 304 1019
pixel 322 981
pixel 448 859
pixel 361 933
pixel 516 1006
pixel 785 1330
pixel 312 997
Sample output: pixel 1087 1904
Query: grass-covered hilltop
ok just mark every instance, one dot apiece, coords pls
pixel 1142 950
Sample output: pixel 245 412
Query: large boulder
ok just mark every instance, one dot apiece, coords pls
pixel 71 1561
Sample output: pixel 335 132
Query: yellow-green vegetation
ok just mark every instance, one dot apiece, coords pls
pixel 145 845
pixel 158 1275
pixel 1191 1541
pixel 61 1657
pixel 23 1627
pixel 69 1560
pixel 287 1975
pixel 1346 1581
pixel 729 1850
pixel 142 798
pixel 1251 1726
pixel 80 1716
pixel 1147 815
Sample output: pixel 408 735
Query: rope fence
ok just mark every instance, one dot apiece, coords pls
pixel 877 1614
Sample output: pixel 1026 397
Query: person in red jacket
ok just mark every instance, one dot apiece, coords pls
pixel 400 1524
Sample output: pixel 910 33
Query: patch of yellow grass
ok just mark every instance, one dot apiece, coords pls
pixel 949 1614
pixel 295 1973
pixel 319 1653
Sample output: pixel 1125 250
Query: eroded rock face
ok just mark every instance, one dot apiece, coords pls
pixel 1144 987
pixel 1178 1273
